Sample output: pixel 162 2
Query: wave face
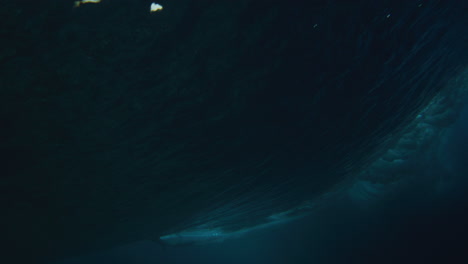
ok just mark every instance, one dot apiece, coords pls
pixel 209 118
pixel 414 160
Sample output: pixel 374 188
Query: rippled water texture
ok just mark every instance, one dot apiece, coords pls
pixel 212 117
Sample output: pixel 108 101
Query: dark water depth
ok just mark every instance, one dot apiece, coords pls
pixel 121 125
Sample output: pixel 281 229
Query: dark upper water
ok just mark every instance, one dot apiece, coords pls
pixel 121 126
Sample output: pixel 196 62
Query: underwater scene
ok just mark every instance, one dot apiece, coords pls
pixel 234 131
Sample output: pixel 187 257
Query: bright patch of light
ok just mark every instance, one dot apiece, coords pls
pixel 155 7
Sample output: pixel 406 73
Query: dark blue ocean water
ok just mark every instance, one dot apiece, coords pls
pixel 246 131
pixel 419 224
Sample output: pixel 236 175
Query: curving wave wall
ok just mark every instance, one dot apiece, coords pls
pixel 212 118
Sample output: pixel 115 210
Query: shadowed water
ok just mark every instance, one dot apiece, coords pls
pixel 209 120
